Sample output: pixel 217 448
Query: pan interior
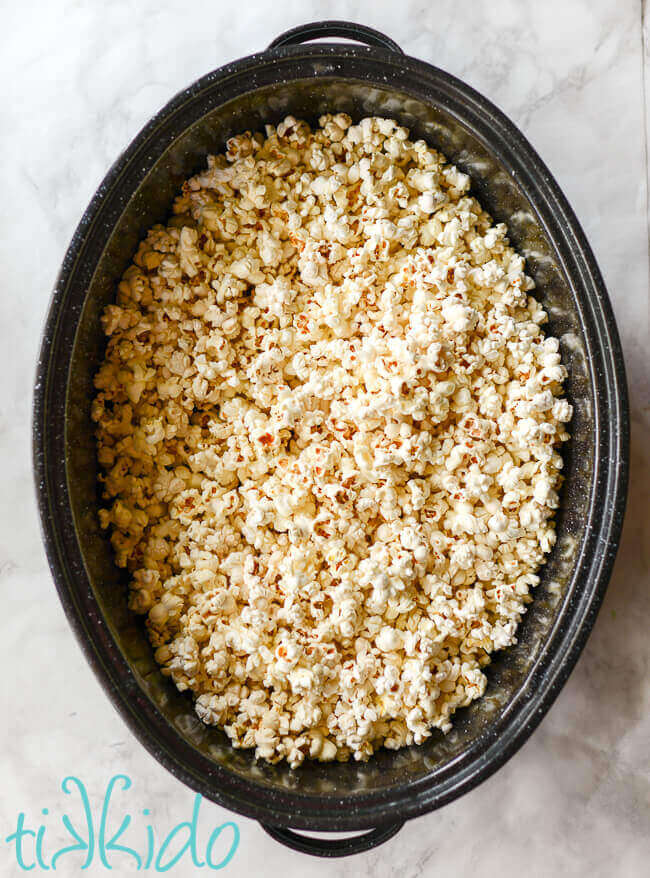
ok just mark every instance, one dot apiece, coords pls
pixel 113 248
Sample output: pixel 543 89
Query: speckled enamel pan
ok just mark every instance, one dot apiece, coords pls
pixel 511 181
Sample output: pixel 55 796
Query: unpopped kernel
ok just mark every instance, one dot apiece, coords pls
pixel 328 423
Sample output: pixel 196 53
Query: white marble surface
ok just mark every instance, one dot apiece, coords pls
pixel 78 81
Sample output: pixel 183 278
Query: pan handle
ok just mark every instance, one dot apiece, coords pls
pixel 346 29
pixel 333 847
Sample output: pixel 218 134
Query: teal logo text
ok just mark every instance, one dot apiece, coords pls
pixel 109 836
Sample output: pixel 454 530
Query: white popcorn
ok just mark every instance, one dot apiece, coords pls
pixel 328 425
pixel 389 639
pixel 562 411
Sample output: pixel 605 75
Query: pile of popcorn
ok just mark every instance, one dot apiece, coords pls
pixel 328 423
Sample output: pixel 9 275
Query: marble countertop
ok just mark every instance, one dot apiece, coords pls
pixel 79 79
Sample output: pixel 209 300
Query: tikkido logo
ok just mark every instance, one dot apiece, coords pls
pixel 99 842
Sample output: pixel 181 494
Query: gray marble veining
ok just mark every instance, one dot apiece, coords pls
pixel 78 81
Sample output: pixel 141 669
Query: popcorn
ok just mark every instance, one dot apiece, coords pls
pixel 328 422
